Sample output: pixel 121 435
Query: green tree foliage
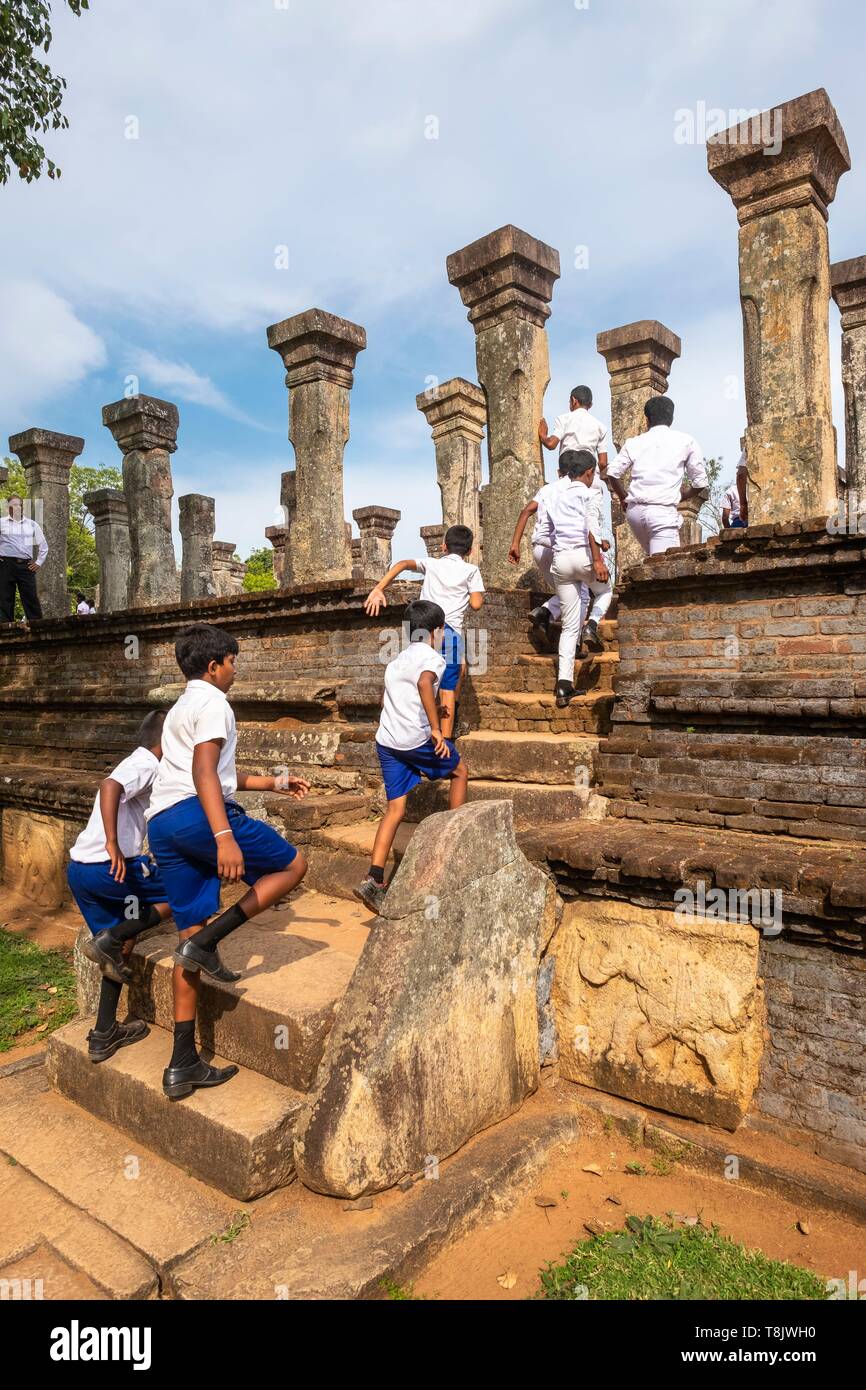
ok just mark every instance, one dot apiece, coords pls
pixel 710 515
pixel 259 577
pixel 82 566
pixel 30 93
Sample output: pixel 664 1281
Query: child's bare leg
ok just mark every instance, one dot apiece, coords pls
pixel 459 784
pixel 447 701
pixel 388 827
pixel 272 887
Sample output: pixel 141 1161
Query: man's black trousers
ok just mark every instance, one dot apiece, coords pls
pixel 15 574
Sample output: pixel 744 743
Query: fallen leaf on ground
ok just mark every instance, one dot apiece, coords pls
pixel 546 1202
pixel 593 1168
pixel 804 1228
pixel 595 1228
pixel 507 1280
pixel 617 1201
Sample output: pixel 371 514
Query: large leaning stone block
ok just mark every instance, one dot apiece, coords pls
pixel 437 1036
pixel 660 1008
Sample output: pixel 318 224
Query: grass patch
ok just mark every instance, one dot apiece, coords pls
pixel 239 1222
pixel 37 989
pixel 399 1293
pixel 652 1260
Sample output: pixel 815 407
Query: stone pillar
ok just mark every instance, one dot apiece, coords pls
pixel 278 537
pixel 506 281
pixel 781 200
pixel 319 352
pixel 47 460
pixel 376 525
pixel 457 413
pixel 639 358
pixel 107 506
pixel 228 571
pixel 689 509
pixel 848 284
pixel 433 536
pixel 145 431
pixel 4 473
pixel 197 526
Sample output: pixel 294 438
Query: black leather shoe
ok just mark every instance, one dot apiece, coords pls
pixel 193 957
pixel 178 1082
pixel 563 692
pixel 101 1046
pixel 540 618
pixel 107 953
pixel 591 639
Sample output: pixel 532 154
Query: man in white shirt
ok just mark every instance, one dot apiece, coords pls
pixel 116 886
pixel 575 518
pixel 455 585
pixel 657 459
pixel 542 548
pixel 19 537
pixel 577 429
pixel 731 507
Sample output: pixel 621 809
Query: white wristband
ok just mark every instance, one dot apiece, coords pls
pixel 222 832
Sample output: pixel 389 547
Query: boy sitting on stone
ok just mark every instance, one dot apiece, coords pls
pixel 409 740
pixel 118 888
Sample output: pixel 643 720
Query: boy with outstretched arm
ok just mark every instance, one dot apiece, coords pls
pixel 409 740
pixel 201 836
pixel 455 585
pixel 117 888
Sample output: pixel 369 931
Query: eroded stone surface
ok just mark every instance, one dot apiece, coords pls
pixel 437 1036
pixel 660 1008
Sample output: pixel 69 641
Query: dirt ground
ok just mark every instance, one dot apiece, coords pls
pixel 502 1258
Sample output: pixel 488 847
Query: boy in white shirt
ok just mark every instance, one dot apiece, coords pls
pixel 731 507
pixel 542 547
pixel 657 459
pixel 455 585
pixel 409 740
pixel 201 836
pixel 117 888
pixel 577 429
pixel 577 561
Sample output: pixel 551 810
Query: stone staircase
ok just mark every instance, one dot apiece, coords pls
pixel 297 961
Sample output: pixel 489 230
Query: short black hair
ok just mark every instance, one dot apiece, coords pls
pixel 579 461
pixel 423 616
pixel 583 396
pixel 150 729
pixel 458 540
pixel 82 598
pixel 659 410
pixel 200 644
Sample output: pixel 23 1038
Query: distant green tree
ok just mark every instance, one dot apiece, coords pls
pixel 710 515
pixel 30 93
pixel 82 565
pixel 260 577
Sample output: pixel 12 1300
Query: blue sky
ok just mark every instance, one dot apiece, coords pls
pixel 303 124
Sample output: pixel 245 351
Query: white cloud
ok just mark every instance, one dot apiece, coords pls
pixel 157 375
pixel 45 349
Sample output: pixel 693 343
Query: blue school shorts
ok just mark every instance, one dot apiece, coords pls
pixel 452 650
pixel 186 852
pixel 403 769
pixel 105 903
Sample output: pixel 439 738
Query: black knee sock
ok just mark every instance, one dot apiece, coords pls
pixel 376 874
pixel 124 930
pixel 184 1053
pixel 109 998
pixel 220 927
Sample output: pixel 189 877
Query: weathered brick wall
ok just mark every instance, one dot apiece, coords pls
pixel 72 692
pixel 741 692
pixel 813 1077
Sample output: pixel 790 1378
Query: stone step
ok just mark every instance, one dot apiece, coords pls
pixel 524 712
pixel 298 819
pixel 538 672
pixel 296 964
pixel 237 1137
pixel 340 856
pixel 528 757
pixel 157 1208
pixel 534 804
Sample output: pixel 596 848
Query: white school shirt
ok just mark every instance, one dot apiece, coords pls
pixel 201 713
pixel 83 608
pixel 543 533
pixel 135 774
pixel 575 514
pixel 657 460
pixel 17 539
pixel 732 499
pixel 577 429
pixel 448 581
pixel 403 723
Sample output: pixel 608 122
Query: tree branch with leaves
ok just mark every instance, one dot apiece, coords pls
pixel 30 93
